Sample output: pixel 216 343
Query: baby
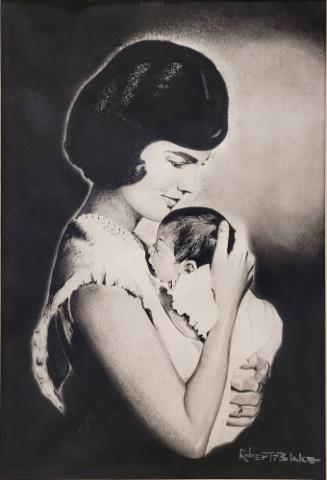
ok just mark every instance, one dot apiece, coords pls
pixel 185 245
pixel 179 264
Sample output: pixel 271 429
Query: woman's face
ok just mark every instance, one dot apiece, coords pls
pixel 171 173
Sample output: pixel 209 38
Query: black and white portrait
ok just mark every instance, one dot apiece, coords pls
pixel 163 239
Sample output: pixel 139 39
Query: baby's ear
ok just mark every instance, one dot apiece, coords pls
pixel 189 266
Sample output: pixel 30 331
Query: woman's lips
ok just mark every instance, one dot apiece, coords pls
pixel 170 201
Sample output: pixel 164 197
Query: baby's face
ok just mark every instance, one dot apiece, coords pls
pixel 162 260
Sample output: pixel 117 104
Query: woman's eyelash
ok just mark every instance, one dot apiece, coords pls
pixel 182 164
pixel 176 164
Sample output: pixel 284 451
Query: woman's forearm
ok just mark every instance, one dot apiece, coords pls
pixel 231 274
pixel 204 391
pixel 180 414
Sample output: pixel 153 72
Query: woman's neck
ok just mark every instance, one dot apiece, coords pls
pixel 112 205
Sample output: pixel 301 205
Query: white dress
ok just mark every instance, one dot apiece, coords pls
pixel 102 252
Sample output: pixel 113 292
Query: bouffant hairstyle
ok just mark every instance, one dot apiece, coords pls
pixel 193 233
pixel 150 90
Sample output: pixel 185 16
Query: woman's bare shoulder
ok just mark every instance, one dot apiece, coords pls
pixel 95 302
pixel 112 317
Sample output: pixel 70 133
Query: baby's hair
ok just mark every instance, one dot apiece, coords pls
pixel 193 231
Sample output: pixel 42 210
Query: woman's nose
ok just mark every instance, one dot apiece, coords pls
pixel 188 182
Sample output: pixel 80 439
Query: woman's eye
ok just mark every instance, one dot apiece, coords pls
pixel 176 164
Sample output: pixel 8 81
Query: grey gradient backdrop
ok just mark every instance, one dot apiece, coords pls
pixel 268 174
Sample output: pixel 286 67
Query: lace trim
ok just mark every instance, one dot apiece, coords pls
pixel 201 332
pixel 110 227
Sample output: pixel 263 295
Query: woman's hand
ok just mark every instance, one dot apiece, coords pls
pixel 232 273
pixel 246 394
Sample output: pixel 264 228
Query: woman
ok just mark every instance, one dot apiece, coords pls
pixel 140 130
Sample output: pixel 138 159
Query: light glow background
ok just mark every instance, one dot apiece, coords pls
pixel 268 175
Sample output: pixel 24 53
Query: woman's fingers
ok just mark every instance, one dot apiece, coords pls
pixel 262 372
pixel 233 410
pixel 253 362
pixel 246 398
pixel 241 244
pixel 251 272
pixel 251 260
pixel 240 421
pixel 261 368
pixel 246 393
pixel 259 364
pixel 243 411
pixel 230 271
pixel 242 254
pixel 220 252
pixel 222 238
pixel 250 277
pixel 243 384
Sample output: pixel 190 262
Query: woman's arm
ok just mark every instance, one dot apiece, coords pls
pixel 246 389
pixel 131 352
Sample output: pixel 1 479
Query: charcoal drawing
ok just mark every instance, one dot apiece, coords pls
pixel 163 226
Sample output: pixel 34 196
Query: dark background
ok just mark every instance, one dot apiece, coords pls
pixel 49 47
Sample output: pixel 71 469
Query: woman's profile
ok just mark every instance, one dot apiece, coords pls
pixel 140 130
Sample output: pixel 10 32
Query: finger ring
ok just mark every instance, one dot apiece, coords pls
pixel 240 411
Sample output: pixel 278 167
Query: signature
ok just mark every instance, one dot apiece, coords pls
pixel 247 456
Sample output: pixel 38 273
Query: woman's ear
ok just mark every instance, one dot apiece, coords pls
pixel 189 266
pixel 139 167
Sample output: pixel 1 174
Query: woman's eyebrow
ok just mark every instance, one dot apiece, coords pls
pixel 185 156
pixel 188 158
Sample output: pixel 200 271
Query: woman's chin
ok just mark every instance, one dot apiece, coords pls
pixel 156 215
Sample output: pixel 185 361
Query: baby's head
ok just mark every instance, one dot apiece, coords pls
pixel 185 241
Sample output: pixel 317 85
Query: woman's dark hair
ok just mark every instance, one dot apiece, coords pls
pixel 193 231
pixel 150 90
